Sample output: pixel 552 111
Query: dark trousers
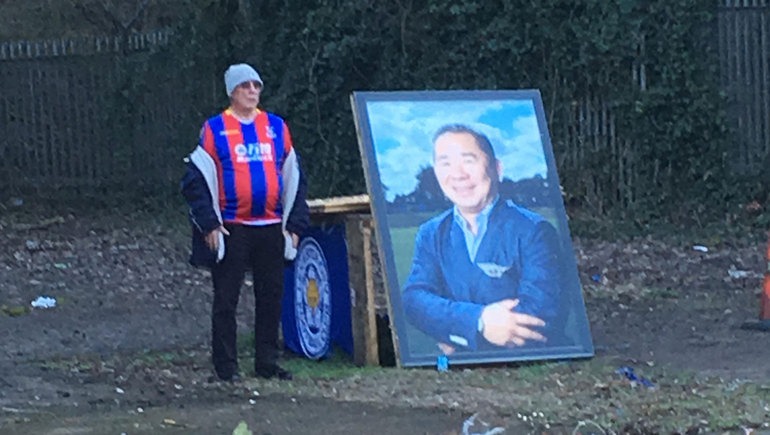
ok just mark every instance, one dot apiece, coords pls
pixel 261 249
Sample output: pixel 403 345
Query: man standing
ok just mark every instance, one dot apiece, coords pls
pixel 484 273
pixel 243 182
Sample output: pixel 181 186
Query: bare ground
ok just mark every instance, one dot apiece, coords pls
pixel 125 349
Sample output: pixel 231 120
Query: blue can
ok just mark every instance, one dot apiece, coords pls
pixel 442 363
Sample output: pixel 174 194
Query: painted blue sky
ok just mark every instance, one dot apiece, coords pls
pixel 402 132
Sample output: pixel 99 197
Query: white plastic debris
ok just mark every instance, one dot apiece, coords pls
pixel 700 248
pixel 43 302
pixel 471 421
pixel 738 273
pixel 119 390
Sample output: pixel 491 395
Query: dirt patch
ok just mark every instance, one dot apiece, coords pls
pixel 131 327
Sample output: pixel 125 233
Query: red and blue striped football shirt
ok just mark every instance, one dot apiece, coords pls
pixel 249 158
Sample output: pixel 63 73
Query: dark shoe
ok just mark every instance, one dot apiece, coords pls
pixel 235 378
pixel 273 371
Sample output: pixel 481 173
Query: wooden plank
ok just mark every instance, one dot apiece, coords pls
pixel 756 93
pixel 63 133
pixel 357 283
pixel 387 280
pixel 370 328
pixel 739 86
pixel 33 152
pixel 341 204
pixel 364 325
pixel 765 48
pixel 748 88
pixel 93 157
pixel 76 137
pixel 722 47
pixel 48 125
pixel 5 119
pixel 51 121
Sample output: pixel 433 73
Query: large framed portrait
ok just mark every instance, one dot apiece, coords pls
pixel 477 255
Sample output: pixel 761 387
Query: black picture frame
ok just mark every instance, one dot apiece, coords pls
pixel 395 137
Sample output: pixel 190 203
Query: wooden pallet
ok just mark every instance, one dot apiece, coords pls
pixel 355 213
pixel 340 204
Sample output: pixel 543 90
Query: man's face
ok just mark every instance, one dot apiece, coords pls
pixel 461 170
pixel 246 95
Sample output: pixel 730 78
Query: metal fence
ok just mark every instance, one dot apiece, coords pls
pixel 81 46
pixel 55 128
pixel 744 49
pixel 590 131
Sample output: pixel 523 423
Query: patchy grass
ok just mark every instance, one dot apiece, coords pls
pixel 557 397
pixel 128 362
pixel 548 397
pixel 75 364
pixel 339 365
pixel 15 311
pixel 163 358
pixel 630 291
pixel 593 391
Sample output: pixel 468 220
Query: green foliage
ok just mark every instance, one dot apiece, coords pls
pixel 312 55
pixel 651 63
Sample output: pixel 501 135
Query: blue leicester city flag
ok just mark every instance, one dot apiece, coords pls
pixel 316 298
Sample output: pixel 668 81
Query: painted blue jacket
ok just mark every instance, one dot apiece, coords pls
pixel 446 292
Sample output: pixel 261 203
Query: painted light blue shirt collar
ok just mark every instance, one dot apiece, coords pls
pixel 473 241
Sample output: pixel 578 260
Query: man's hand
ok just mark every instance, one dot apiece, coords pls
pixel 294 240
pixel 504 327
pixel 212 238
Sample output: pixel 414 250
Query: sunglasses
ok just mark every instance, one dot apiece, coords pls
pixel 249 84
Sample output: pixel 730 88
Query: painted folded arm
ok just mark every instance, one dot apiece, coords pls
pixel 429 305
pixel 540 283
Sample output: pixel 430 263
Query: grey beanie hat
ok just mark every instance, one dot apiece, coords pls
pixel 239 73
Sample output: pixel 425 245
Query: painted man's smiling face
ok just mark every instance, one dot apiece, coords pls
pixel 461 168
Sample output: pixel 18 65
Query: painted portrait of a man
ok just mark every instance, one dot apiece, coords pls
pixel 484 272
pixel 477 250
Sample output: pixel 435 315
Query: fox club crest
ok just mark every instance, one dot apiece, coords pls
pixel 312 299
